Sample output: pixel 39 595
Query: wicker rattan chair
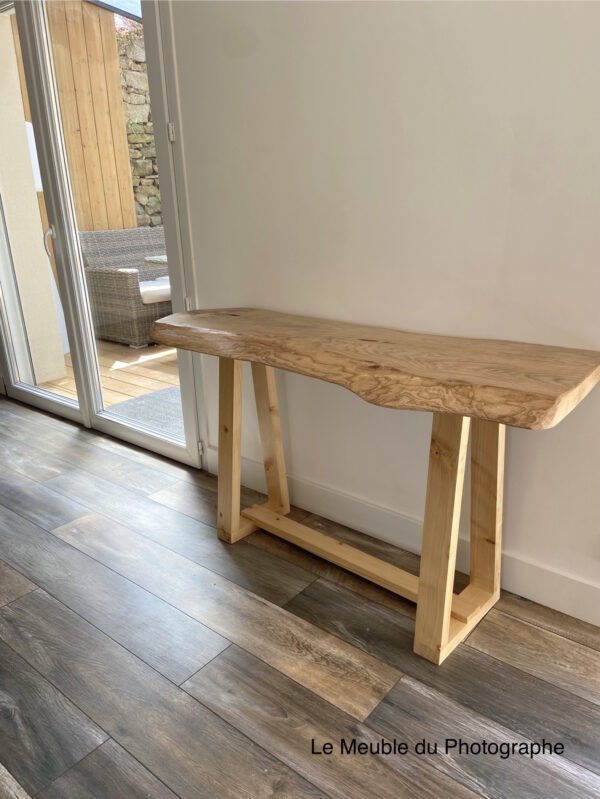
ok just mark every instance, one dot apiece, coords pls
pixel 114 265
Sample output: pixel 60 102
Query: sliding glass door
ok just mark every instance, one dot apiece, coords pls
pixel 84 269
pixel 38 346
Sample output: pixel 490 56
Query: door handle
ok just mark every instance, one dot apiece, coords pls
pixel 49 232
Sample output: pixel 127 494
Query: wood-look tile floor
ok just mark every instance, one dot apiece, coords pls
pixel 142 657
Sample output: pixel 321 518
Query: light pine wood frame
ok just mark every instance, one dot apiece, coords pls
pixel 443 619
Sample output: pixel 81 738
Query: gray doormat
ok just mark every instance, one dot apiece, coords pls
pixel 159 411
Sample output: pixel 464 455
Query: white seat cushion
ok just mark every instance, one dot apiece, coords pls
pixel 158 290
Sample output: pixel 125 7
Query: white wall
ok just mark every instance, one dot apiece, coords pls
pixel 426 166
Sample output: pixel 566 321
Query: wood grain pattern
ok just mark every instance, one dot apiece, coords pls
pixel 110 499
pixel 285 718
pixel 109 772
pixel 12 584
pixel 261 573
pixel 124 372
pixel 181 742
pixel 563 663
pixel 468 603
pixel 17 416
pixel 381 549
pixel 372 546
pixel 36 719
pixel 36 416
pixel 552 620
pixel 51 453
pixel 57 450
pixel 329 571
pixel 196 500
pixel 141 456
pixel 519 701
pixel 74 142
pixel 415 711
pixel 19 424
pixel 9 787
pixel 335 671
pixel 258 690
pixel 230 527
pixel 162 636
pixel 35 502
pixel 269 424
pixel 447 456
pixel 269 577
pixel 86 64
pixel 195 494
pixel 487 486
pixel 443 620
pixel 436 634
pixel 117 117
pixel 85 112
pixel 525 385
pixel 99 100
pixel 30 462
pixel 351 558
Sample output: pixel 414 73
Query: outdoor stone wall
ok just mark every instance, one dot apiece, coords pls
pixel 138 117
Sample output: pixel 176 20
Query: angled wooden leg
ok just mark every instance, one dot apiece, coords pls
pixel 230 526
pixel 447 455
pixel 487 484
pixel 269 426
pixel 487 479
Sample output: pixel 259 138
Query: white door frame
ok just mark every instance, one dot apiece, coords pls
pixel 37 60
pixel 39 73
pixel 162 75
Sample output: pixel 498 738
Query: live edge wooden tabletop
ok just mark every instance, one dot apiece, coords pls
pixel 475 387
pixel 522 385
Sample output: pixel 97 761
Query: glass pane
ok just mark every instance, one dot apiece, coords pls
pixel 101 76
pixel 32 311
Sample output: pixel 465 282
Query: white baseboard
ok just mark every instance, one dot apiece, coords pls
pixel 538 582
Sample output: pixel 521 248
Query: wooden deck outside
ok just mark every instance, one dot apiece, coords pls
pixel 125 373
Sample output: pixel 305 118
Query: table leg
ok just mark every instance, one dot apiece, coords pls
pixel 447 456
pixel 230 525
pixel 443 619
pixel 487 483
pixel 267 409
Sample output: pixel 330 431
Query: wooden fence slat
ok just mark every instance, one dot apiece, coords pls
pixel 63 68
pixel 101 112
pixel 87 122
pixel 117 116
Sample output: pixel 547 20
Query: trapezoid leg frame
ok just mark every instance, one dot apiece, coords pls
pixel 232 526
pixel 445 619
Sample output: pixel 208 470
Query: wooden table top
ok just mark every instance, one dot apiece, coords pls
pixel 523 385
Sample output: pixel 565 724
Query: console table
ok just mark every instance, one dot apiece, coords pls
pixel 468 384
